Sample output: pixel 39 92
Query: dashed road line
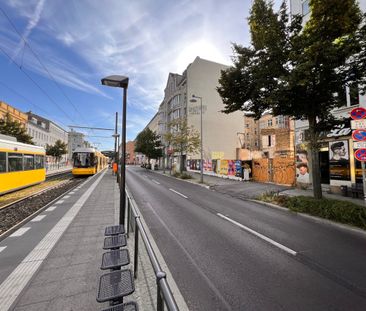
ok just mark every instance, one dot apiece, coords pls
pixel 20 232
pixel 182 195
pixel 60 202
pixel 155 181
pixel 2 248
pixel 38 218
pixel 51 208
pixel 66 197
pixel 259 235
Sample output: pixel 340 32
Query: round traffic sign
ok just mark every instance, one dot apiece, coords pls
pixel 360 154
pixel 358 113
pixel 359 135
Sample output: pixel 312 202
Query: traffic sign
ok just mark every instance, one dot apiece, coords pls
pixel 358 113
pixel 359 144
pixel 359 135
pixel 360 154
pixel 358 124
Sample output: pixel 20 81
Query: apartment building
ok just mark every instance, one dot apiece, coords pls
pixel 14 113
pixel 334 173
pixel 219 130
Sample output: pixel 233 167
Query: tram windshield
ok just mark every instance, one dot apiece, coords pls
pixel 83 159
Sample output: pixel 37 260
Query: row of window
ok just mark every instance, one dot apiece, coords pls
pixel 15 162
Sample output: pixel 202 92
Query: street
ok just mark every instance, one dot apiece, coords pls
pixel 231 254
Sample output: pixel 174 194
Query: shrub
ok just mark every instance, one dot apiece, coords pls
pixel 176 174
pixel 185 176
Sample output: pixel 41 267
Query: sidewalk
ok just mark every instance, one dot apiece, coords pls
pixel 68 277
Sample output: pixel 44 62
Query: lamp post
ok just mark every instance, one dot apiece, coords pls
pixel 122 82
pixel 194 100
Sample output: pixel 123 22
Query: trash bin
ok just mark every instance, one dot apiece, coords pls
pixel 344 191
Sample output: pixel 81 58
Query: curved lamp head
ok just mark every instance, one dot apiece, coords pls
pixel 116 81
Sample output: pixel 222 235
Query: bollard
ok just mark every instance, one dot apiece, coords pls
pixel 159 300
pixel 135 264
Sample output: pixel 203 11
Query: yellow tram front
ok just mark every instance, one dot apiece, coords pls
pixel 87 161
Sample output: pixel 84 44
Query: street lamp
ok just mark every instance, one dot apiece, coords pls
pixel 194 100
pixel 122 82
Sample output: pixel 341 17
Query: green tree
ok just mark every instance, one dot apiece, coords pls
pixel 183 138
pixel 148 143
pixel 14 128
pixel 296 72
pixel 57 150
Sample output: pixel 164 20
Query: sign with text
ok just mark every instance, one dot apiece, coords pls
pixel 359 144
pixel 358 124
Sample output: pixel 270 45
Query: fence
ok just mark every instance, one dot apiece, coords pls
pixel 134 223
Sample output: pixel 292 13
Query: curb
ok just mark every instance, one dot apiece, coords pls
pixel 314 218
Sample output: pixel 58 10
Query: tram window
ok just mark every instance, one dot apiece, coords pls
pixel 15 162
pixel 83 159
pixel 38 162
pixel 2 162
pixel 28 162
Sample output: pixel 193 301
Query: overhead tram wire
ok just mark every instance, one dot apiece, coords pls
pixel 39 60
pixel 38 86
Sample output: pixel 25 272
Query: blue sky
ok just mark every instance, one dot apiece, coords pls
pixel 78 42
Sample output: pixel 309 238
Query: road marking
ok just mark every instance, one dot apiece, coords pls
pixel 71 192
pixel 60 202
pixel 20 232
pixel 38 218
pixel 12 287
pixel 155 181
pixel 182 195
pixel 2 248
pixel 66 197
pixel 52 208
pixel 259 235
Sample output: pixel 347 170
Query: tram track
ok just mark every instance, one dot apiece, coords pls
pixel 17 213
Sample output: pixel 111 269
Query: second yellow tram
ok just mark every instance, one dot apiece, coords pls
pixel 88 161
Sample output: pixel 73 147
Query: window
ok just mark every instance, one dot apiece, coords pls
pixel 38 162
pixel 269 140
pixel 15 162
pixel 269 122
pixel 247 125
pixel 2 162
pixel 28 162
pixel 305 8
pixel 353 95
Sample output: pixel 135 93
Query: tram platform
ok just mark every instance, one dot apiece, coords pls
pixel 61 269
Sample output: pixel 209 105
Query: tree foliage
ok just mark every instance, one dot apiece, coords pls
pixel 183 138
pixel 148 143
pixel 11 127
pixel 57 150
pixel 297 72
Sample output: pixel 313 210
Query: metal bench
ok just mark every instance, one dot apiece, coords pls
pixel 128 306
pixel 115 241
pixel 114 230
pixel 114 286
pixel 115 259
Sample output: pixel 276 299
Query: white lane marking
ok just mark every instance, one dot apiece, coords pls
pixel 60 202
pixel 71 192
pixel 2 248
pixel 38 218
pixel 155 181
pixel 51 208
pixel 12 287
pixel 182 195
pixel 20 232
pixel 259 235
pixel 145 176
pixel 66 197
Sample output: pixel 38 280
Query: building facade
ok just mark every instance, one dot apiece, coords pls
pixel 219 130
pixel 76 140
pixel 335 170
pixel 14 113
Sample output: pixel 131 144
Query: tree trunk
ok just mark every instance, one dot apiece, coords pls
pixel 314 159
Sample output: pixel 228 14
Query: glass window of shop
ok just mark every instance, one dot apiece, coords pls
pixel 15 162
pixel 2 162
pixel 28 162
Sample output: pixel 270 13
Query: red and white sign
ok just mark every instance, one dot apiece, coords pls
pixel 359 135
pixel 360 154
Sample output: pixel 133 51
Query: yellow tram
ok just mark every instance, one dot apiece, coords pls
pixel 21 165
pixel 88 161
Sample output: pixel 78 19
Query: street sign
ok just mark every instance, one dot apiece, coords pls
pixel 359 135
pixel 360 154
pixel 358 113
pixel 359 144
pixel 358 124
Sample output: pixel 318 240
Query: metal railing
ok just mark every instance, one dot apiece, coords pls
pixel 164 293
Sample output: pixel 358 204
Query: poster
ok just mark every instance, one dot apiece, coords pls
pixel 339 164
pixel 302 165
pixel 224 166
pixel 231 168
pixel 238 169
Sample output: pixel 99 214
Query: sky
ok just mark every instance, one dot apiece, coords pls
pixel 70 45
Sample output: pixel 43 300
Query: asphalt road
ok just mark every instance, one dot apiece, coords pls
pixel 231 254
